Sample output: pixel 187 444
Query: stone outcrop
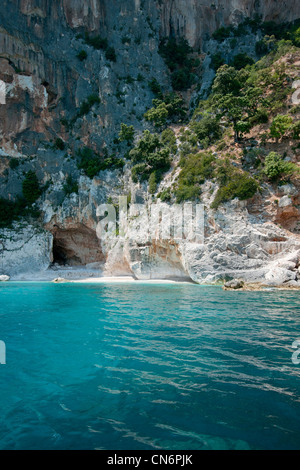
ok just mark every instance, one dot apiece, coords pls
pixel 25 250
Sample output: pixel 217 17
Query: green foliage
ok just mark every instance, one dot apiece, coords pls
pixel 286 31
pixel 217 60
pixel 7 212
pixel 92 163
pixel 14 163
pixel 275 166
pixel 158 115
pixel 223 33
pixel 82 55
pixel 168 139
pixel 295 130
pixel 265 45
pixel 70 186
pixel 242 60
pixel 11 211
pixel 280 126
pixel 175 53
pixel 31 188
pixel 139 172
pixel 87 105
pixel 241 186
pixel 228 81
pixel 155 87
pixel 246 97
pixel 59 144
pixel 97 42
pixel 175 107
pixel 126 40
pixel 110 54
pixel 100 43
pixel 233 184
pixel 208 127
pixel 196 169
pixel 126 133
pixel 295 36
pixel 147 145
pixel 182 79
pixel 153 182
pixel 165 195
pixel 270 81
pixel 169 108
pixel 177 57
pixel 149 155
pixel 261 116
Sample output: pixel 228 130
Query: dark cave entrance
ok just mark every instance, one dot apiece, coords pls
pixel 76 246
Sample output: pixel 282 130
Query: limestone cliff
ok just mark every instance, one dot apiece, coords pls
pixel 195 19
pixel 51 70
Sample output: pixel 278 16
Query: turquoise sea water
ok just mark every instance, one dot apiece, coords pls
pixel 139 366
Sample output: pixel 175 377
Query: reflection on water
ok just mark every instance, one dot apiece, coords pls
pixel 137 366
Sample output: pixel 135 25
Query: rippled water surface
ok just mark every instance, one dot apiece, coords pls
pixel 144 366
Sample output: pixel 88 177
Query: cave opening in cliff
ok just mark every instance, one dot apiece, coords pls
pixel 76 246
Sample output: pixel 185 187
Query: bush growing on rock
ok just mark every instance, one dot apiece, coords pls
pixel 177 57
pixel 31 187
pixel 169 107
pixel 70 186
pixel 59 144
pixel 217 60
pixel 168 138
pixel 208 127
pixel 153 183
pixel 92 163
pixel 126 133
pixel 14 163
pixel 241 186
pixel 196 169
pixel 150 154
pixel 242 60
pixel 7 212
pixel 280 126
pixel 275 166
pixel 155 87
pixel 158 115
pixel 82 55
pixel 110 54
pixel 87 105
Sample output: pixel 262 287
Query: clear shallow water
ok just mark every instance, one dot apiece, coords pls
pixel 139 366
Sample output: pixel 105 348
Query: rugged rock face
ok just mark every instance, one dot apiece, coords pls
pixel 46 84
pixel 195 19
pixel 26 250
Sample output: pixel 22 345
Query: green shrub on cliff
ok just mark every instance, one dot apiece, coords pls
pixel 241 186
pixel 280 126
pixel 169 108
pixel 126 133
pixel 150 154
pixel 87 105
pixel 31 188
pixel 196 169
pixel 82 55
pixel 275 167
pixel 177 55
pixel 92 163
pixel 7 213
pixel 71 186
